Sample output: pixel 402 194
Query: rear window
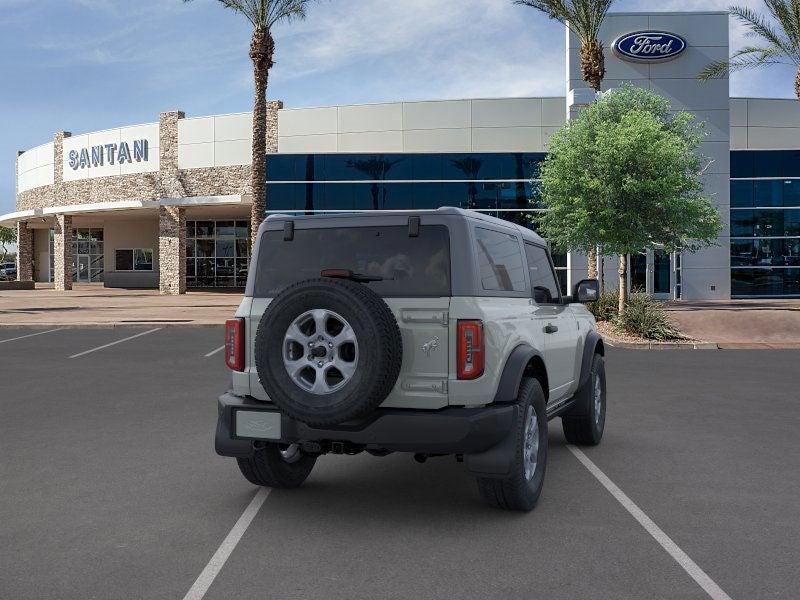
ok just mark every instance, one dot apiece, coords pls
pixel 410 266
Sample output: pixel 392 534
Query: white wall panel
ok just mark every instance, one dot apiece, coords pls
pixel 300 144
pixel 738 112
pixel 508 112
pixel 195 156
pixel 691 94
pixel 234 152
pixel 196 131
pixel 370 117
pixel 437 140
pixel 233 127
pixel 773 113
pixel 511 139
pixel 371 141
pixel 739 138
pixel 308 121
pixel 698 29
pixel 766 138
pixel 447 114
pixel 554 111
pixel 717 126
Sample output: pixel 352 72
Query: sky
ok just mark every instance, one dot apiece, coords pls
pixel 86 65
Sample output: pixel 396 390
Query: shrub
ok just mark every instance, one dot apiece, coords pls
pixel 605 308
pixel 646 318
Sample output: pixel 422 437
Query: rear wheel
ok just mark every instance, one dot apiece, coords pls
pixel 584 425
pixel 277 466
pixel 521 490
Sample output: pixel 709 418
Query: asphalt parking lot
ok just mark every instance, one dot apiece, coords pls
pixel 110 488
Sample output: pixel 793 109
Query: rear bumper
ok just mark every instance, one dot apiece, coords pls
pixel 446 431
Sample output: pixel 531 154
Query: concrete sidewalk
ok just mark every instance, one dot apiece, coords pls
pixel 741 323
pixel 93 305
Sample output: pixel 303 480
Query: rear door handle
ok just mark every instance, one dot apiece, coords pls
pixel 550 328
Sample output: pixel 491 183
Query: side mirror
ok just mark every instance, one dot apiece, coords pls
pixel 586 291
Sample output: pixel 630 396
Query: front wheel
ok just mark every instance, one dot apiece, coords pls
pixel 277 466
pixel 521 490
pixel 585 426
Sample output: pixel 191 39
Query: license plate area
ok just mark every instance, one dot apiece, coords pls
pixel 257 424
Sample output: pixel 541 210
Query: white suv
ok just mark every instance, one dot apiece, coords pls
pixel 430 332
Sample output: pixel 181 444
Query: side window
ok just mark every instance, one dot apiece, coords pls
pixel 543 280
pixel 499 261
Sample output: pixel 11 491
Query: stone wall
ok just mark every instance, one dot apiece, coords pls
pixel 24 252
pixel 62 253
pixel 172 250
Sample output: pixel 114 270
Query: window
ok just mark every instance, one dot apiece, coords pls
pixel 133 259
pixel 218 252
pixel 543 280
pixel 409 266
pixel 499 261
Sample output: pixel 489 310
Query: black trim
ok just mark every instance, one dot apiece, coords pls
pixel 593 345
pixel 518 360
pixel 447 431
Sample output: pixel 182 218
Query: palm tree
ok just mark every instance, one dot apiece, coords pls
pixel 780 41
pixel 584 19
pixel 263 15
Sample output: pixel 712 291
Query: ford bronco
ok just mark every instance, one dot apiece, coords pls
pixel 438 332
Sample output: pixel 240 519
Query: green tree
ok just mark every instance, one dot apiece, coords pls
pixel 263 15
pixel 778 37
pixel 584 19
pixel 626 175
pixel 7 236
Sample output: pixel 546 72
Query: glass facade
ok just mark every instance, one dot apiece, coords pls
pixel 765 223
pixel 88 262
pixel 501 184
pixel 217 253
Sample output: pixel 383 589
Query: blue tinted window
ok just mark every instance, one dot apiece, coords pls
pixel 339 196
pixel 397 196
pixel 772 252
pixel 454 194
pixel 281 196
pixel 281 167
pixel 742 164
pixel 791 193
pixel 426 166
pixel 768 193
pixel 741 194
pixel 768 164
pixel 765 282
pixel 791 163
pixel 427 195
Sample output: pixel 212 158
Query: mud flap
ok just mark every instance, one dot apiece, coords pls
pixel 497 461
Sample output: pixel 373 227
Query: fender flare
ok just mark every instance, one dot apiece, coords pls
pixel 511 378
pixel 593 345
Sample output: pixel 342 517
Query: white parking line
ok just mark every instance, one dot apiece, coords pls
pixel 214 566
pixel 213 352
pixel 115 343
pixel 695 572
pixel 22 337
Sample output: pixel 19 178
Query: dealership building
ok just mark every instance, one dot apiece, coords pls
pixel 167 204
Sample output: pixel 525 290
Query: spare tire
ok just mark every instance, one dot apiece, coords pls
pixel 328 351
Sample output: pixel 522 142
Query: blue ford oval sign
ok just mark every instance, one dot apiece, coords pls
pixel 649 46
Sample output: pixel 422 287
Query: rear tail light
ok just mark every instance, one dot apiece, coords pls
pixel 234 344
pixel 471 349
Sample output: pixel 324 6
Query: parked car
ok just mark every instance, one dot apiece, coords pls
pixel 431 332
pixel 8 271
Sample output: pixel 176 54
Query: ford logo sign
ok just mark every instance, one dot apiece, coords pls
pixel 649 46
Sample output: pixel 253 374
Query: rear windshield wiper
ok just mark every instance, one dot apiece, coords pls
pixel 348 274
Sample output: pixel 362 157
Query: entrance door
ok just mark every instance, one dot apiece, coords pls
pixel 83 269
pixel 662 271
pixel 638 272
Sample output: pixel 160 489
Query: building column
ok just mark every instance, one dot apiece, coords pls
pixel 172 250
pixel 62 253
pixel 24 252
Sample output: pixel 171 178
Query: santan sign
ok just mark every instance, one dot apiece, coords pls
pixel 649 46
pixel 97 156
